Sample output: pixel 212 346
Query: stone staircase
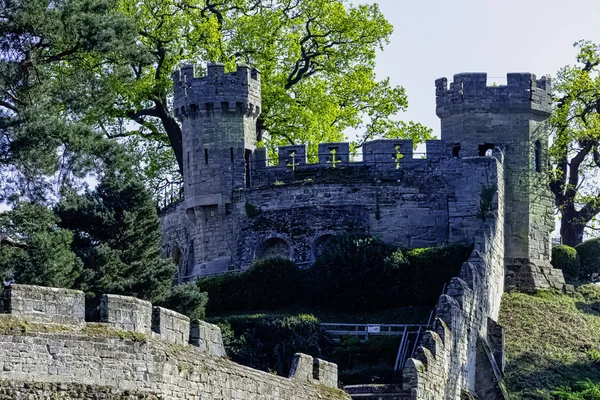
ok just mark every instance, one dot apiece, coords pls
pixel 377 392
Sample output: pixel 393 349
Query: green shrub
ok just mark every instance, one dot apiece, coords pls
pixel 224 292
pixel 566 259
pixel 187 299
pixel 353 273
pixel 430 268
pixel 269 344
pixel 589 253
pixel 270 283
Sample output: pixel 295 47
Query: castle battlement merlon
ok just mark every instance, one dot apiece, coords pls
pixel 217 91
pixel 382 151
pixel 469 92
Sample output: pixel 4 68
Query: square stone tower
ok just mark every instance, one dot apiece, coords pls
pixel 475 119
pixel 218 114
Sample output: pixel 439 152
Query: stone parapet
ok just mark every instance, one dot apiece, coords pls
pixel 462 354
pixel 126 313
pixel 207 337
pixel 170 325
pixel 50 305
pixel 314 370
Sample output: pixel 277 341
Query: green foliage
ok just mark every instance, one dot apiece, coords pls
pixel 187 299
pixel 583 390
pixel 353 273
pixel 117 236
pixel 46 258
pixel 589 254
pixel 46 46
pixel 269 344
pixel 270 283
pixel 566 259
pixel 575 142
pixel 552 343
pixel 358 362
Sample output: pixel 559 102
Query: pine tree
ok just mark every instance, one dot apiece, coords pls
pixel 35 250
pixel 117 236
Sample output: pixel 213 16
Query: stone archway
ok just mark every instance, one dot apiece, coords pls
pixel 320 244
pixel 273 247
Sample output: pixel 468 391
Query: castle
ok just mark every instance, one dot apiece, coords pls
pixel 483 184
pixel 237 207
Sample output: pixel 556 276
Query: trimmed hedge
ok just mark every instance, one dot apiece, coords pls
pixel 566 259
pixel 589 253
pixel 187 299
pixel 353 273
pixel 269 343
pixel 269 284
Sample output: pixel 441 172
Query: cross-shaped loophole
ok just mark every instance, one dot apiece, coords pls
pixel 398 156
pixel 333 159
pixel 293 163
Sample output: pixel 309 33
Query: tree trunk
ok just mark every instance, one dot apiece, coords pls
pixel 174 134
pixel 571 229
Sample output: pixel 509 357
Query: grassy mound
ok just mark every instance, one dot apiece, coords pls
pixel 553 344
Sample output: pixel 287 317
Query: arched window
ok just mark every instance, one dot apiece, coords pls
pixel 320 244
pixel 273 247
pixel 537 156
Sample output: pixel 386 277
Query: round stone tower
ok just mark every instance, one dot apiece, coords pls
pixel 218 114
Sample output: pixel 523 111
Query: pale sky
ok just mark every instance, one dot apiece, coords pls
pixel 434 39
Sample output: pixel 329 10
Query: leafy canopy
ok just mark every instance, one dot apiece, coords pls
pixel 316 58
pixel 575 151
pixel 44 48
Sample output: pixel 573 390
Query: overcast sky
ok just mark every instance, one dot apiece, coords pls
pixel 435 38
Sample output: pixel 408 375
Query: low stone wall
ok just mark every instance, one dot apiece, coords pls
pixel 170 325
pixel 313 370
pixel 13 390
pixel 50 305
pixel 126 313
pixel 207 337
pixel 123 359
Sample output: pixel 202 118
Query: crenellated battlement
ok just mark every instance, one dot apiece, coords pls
pixel 385 153
pixel 468 92
pixel 48 350
pixel 234 93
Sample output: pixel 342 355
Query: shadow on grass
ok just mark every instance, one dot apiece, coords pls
pixel 589 308
pixel 532 376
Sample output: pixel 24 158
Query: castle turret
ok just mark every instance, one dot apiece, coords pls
pixel 218 114
pixel 476 118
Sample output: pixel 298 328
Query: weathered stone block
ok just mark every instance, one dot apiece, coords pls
pixel 170 325
pixel 302 368
pixel 207 337
pixel 126 313
pixel 52 305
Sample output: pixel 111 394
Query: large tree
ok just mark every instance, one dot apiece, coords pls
pixel 45 47
pixel 117 236
pixel 35 250
pixel 316 58
pixel 575 149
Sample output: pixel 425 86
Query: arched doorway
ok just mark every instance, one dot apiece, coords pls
pixel 273 247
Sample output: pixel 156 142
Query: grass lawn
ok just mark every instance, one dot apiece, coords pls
pixel 553 344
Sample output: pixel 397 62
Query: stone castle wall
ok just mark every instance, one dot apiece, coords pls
pixel 43 356
pixel 239 206
pixel 463 353
pixel 411 202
